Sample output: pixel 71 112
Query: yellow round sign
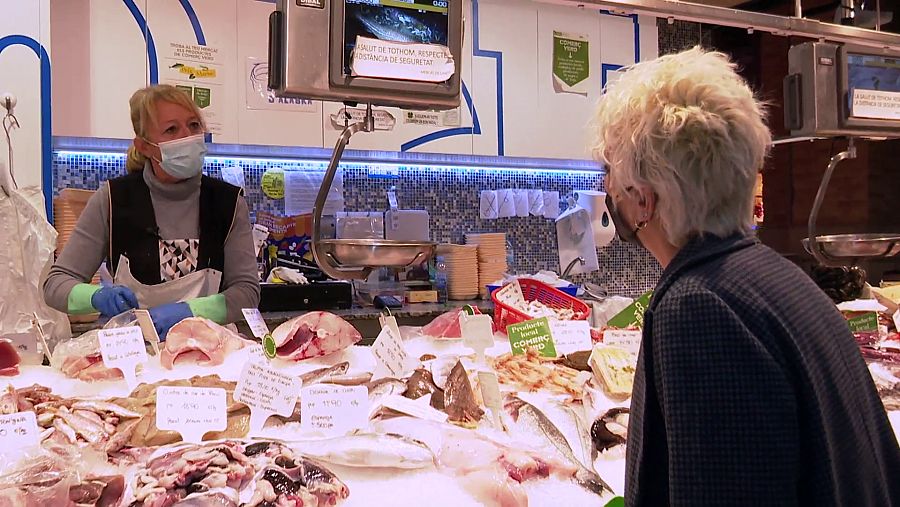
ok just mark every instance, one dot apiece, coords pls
pixel 273 183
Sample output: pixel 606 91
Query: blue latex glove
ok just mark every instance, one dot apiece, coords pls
pixel 166 316
pixel 113 300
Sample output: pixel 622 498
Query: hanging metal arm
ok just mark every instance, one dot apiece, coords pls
pixel 814 247
pixel 321 258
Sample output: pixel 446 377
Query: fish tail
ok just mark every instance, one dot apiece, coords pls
pixel 592 482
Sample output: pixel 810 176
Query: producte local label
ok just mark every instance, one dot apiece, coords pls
pixel 191 411
pixel 332 409
pixel 266 392
pixel 866 323
pixel 571 335
pixel 633 315
pixel 431 63
pixel 534 334
pixel 123 348
pixel 18 431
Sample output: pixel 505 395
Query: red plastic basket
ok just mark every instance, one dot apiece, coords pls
pixel 534 290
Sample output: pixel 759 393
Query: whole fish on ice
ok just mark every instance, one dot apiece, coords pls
pixel 375 450
pixel 313 334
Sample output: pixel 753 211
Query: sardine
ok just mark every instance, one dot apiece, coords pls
pixel 533 425
pixel 459 398
pixel 375 450
pixel 316 376
pixel 105 406
pixel 421 383
pixel 91 431
pixel 66 430
pixel 384 387
pixel 349 380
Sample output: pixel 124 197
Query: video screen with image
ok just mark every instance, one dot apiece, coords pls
pixel 420 21
pixel 872 72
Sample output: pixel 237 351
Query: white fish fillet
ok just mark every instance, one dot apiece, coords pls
pixel 371 450
pixel 208 341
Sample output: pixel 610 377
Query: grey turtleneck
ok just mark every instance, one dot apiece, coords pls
pixel 177 210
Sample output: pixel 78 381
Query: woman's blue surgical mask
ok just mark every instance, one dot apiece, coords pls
pixel 183 158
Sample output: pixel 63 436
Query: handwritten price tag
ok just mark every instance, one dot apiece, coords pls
pixel 256 323
pixel 390 355
pixel 18 431
pixel 627 339
pixel 571 335
pixel 123 348
pixel 477 332
pixel 191 411
pixel 333 410
pixel 266 392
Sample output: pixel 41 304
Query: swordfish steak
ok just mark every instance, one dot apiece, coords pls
pixel 312 335
pixel 200 340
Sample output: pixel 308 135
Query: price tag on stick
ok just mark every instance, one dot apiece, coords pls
pixel 191 411
pixel 123 348
pixel 266 391
pixel 390 355
pixel 333 410
pixel 18 431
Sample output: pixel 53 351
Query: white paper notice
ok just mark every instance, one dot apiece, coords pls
pixel 489 207
pixel 260 96
pixel 536 202
pixel 233 175
pixel 627 339
pixel 199 71
pixel 302 187
pixel 256 322
pixel 882 105
pixel 18 431
pixel 571 335
pixel 123 348
pixel 420 408
pixel 432 63
pixel 506 200
pixel 520 197
pixel 266 391
pixel 551 205
pixel 332 409
pixel 390 355
pixel 191 411
pixel 383 119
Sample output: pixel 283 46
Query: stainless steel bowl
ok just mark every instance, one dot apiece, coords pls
pixel 353 253
pixel 857 246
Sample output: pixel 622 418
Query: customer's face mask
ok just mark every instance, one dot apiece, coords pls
pixel 625 232
pixel 183 158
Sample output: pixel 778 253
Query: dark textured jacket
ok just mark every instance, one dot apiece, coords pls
pixel 750 390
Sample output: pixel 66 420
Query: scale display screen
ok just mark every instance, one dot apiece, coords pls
pixel 873 86
pixel 418 21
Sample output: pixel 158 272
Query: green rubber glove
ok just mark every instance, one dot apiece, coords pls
pixel 79 302
pixel 210 307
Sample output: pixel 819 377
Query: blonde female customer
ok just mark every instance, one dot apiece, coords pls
pixel 750 389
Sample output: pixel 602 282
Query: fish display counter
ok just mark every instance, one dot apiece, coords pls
pixel 445 422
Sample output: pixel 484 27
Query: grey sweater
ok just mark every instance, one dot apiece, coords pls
pixel 177 210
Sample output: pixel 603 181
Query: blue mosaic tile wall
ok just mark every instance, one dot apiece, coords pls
pixel 450 194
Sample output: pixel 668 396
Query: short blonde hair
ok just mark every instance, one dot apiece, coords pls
pixel 143 113
pixel 688 126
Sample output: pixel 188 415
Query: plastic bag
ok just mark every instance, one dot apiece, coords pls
pixel 27 243
pixel 80 357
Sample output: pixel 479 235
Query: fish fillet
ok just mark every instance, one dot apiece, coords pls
pixel 314 334
pixel 201 340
